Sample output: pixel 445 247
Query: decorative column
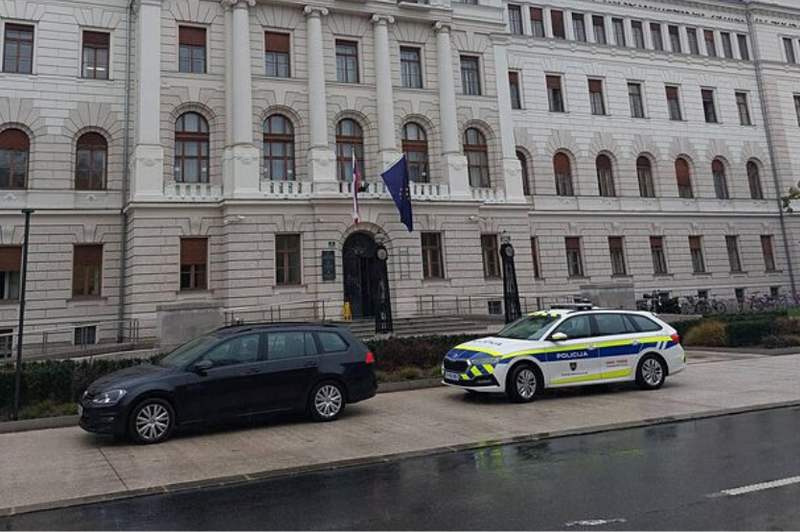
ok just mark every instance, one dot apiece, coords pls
pixel 240 160
pixel 548 22
pixel 387 138
pixel 454 164
pixel 512 171
pixel 321 167
pixel 148 157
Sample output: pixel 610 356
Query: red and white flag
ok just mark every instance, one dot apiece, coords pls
pixel 356 187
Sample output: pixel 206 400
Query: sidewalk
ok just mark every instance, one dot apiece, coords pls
pixel 57 467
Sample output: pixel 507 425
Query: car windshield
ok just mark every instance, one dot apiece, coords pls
pixel 188 351
pixel 528 328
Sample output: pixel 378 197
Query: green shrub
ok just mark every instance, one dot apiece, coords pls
pixel 48 408
pixel 748 333
pixel 395 353
pixel 710 333
pixel 410 374
pixel 787 326
pixel 775 341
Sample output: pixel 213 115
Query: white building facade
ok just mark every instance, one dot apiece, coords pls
pixel 199 152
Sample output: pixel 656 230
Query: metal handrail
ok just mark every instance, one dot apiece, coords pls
pixel 8 340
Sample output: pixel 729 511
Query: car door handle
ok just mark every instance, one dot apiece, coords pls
pixel 310 365
pixel 636 342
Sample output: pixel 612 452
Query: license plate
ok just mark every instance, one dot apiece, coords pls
pixel 80 410
pixel 450 376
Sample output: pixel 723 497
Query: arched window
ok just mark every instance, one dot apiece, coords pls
pixel 14 149
pixel 415 146
pixel 523 163
pixel 720 183
pixel 684 178
pixel 754 179
pixel 477 158
pixel 90 162
pixel 605 176
pixel 563 171
pixel 278 149
pixel 191 149
pixel 644 171
pixel 349 140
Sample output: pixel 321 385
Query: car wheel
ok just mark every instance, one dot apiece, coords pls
pixel 152 421
pixel 523 383
pixel 326 402
pixel 651 373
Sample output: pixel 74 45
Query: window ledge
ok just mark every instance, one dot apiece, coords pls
pixel 621 276
pixel 739 273
pixel 436 280
pixel 188 293
pixel 773 272
pixel 86 299
pixel 664 275
pixel 9 302
pixel 701 274
pixel 290 288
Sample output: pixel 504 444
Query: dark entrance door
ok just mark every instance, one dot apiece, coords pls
pixel 359 265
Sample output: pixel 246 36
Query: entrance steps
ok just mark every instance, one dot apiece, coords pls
pixel 428 325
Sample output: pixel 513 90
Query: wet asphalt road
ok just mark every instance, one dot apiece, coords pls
pixel 662 477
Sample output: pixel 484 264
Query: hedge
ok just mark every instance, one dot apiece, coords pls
pixel 767 329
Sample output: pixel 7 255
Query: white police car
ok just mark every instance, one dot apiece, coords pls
pixel 567 347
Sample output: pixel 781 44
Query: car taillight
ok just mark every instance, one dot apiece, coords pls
pixel 370 358
pixel 676 338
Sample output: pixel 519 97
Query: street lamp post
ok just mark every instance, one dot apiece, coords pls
pixel 512 307
pixel 383 304
pixel 23 281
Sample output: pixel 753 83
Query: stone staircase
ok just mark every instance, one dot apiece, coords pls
pixel 428 325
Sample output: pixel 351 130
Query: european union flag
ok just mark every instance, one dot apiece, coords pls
pixel 396 179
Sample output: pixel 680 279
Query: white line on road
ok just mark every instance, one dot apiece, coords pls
pixel 594 522
pixel 761 486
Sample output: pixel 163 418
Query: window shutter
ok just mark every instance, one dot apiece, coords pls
pixel 96 38
pixel 573 243
pixel 14 139
pixel 276 42
pixel 89 254
pixel 192 36
pixel 694 243
pixel 595 85
pixel 655 242
pixel 672 93
pixel 561 164
pixel 682 172
pixel 553 82
pixel 537 14
pixel 194 251
pixel 10 258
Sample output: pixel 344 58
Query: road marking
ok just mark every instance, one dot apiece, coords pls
pixel 761 486
pixel 594 522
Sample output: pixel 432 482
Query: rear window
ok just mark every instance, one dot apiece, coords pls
pixel 290 344
pixel 644 324
pixel 610 324
pixel 331 342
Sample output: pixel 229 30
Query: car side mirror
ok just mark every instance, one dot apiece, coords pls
pixel 558 337
pixel 201 367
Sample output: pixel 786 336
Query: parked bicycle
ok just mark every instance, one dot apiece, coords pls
pixel 701 305
pixel 659 302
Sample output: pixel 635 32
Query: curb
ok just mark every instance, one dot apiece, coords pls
pixel 382 459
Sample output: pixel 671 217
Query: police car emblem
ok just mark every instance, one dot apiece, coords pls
pixel 573 366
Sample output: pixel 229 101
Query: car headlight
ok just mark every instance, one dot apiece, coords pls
pixel 479 361
pixel 110 397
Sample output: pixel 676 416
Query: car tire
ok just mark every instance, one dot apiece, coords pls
pixel 651 372
pixel 326 401
pixel 523 383
pixel 151 421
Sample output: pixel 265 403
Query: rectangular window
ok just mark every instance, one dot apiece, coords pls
pixel 657 37
pixel 579 27
pixel 694 43
pixel 674 103
pixel 86 335
pixel 347 61
pixel 432 263
pixel 6 343
pixel 788 46
pixel 744 109
pixel 636 100
pixel 638 34
pixel 287 260
pixel 744 50
pixel 727 45
pixel 192 50
pixel 557 20
pixel 10 267
pixel 95 54
pixel 87 268
pixel 277 56
pixel 797 108
pixel 616 249
pixel 711 44
pixel 555 94
pixel 516 94
pixel 684 180
pixel 767 251
pixel 709 108
pixel 491 256
pixel 194 264
pixel 675 39
pixel 732 245
pixel 18 49
pixel 537 22
pixel 515 19
pixel 696 251
pixel 537 267
pixel 658 255
pixel 599 28
pixel 470 75
pixel 411 67
pixel 596 97
pixel 574 258
pixel 619 31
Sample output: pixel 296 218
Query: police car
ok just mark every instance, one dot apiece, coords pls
pixel 567 347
